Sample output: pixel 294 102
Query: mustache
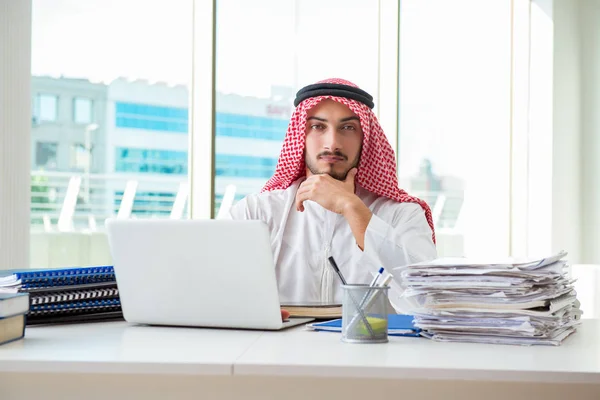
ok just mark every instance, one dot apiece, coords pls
pixel 332 153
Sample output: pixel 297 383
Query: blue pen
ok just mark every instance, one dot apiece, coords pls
pixel 379 273
pixel 373 283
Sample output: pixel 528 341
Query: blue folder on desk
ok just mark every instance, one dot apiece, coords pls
pixel 398 325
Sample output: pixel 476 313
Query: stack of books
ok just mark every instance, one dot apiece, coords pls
pixel 522 302
pixel 66 295
pixel 13 316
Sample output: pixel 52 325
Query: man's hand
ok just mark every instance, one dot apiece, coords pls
pixel 338 197
pixel 330 193
pixel 285 315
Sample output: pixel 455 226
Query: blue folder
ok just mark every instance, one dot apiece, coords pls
pixel 398 325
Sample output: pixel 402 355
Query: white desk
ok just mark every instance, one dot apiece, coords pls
pixel 118 360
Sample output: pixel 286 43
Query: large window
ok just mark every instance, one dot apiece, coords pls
pixel 454 130
pixel 118 109
pixel 285 45
pixel 117 91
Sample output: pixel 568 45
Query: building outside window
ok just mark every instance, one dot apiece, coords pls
pixel 79 157
pixel 82 110
pixel 45 155
pixel 45 107
pixel 118 100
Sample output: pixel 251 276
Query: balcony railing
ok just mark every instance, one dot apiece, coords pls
pixel 70 202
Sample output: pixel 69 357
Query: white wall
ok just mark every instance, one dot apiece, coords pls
pixel 590 125
pixel 566 177
pixel 540 135
pixel 15 132
pixel 576 124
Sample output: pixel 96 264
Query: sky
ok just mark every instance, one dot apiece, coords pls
pixel 454 68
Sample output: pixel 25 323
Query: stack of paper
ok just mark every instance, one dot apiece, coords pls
pixel 523 302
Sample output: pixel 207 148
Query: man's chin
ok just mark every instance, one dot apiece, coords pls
pixel 340 176
pixel 331 170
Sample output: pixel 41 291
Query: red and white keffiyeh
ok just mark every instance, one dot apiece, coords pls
pixel 377 166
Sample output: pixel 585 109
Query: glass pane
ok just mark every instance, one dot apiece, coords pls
pixel 82 110
pixel 119 97
pixel 45 155
pixel 46 107
pixel 280 51
pixel 80 156
pixel 454 119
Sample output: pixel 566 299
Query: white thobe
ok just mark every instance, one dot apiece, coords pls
pixel 397 234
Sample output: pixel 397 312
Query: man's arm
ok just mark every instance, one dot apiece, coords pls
pixel 399 235
pixel 358 216
pixel 399 231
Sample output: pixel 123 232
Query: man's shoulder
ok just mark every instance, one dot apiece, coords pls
pixel 258 205
pixel 381 203
pixel 270 197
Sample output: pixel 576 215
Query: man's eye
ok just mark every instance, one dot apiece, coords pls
pixel 317 127
pixel 348 127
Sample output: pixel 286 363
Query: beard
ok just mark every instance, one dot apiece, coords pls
pixel 339 175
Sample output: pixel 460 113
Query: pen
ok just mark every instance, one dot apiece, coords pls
pixel 379 273
pixel 337 270
pixel 385 283
pixel 373 283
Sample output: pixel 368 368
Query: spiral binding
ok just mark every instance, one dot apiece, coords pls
pixel 69 296
pixel 65 277
pixel 84 306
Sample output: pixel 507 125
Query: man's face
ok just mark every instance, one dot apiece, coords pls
pixel 333 139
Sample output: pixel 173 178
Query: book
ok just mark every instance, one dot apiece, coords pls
pixel 313 310
pixel 75 317
pixel 39 278
pixel 53 289
pixel 398 325
pixel 12 328
pixel 13 304
pixel 74 294
pixel 52 297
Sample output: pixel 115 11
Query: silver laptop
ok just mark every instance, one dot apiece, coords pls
pixel 203 273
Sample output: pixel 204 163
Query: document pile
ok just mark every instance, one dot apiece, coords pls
pixel 527 302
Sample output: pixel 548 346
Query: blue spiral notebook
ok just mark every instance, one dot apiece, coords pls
pixel 39 278
pixel 398 325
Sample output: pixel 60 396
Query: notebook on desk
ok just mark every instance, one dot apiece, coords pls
pixel 28 279
pixel 313 310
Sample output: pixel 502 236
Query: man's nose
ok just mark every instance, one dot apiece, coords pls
pixel 331 140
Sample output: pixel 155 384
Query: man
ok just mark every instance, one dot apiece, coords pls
pixel 335 193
